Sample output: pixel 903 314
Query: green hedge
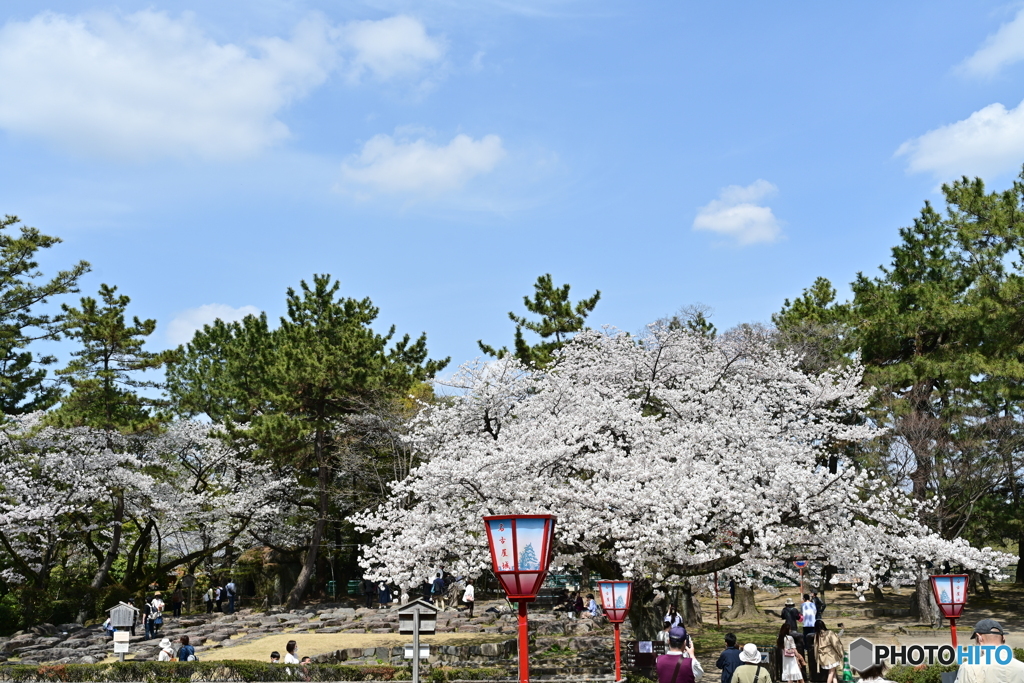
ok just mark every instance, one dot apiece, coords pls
pixel 443 673
pixel 184 672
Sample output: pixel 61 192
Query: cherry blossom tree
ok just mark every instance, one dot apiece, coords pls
pixel 664 456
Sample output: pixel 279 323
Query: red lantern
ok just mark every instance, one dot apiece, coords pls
pixel 951 595
pixel 520 556
pixel 616 597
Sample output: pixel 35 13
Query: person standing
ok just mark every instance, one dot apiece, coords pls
pixel 729 659
pixel 157 615
pixel 828 650
pixel 383 595
pixel 369 592
pixel 208 599
pixel 177 598
pixel 786 645
pixel 819 604
pixel 678 665
pixel 673 618
pixel 810 615
pixel 989 632
pixel 469 596
pixel 791 615
pixel 135 615
pixel 218 598
pixel 147 620
pixel 437 589
pixel 751 670
pixel 231 590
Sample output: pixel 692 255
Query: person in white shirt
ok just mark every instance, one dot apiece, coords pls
pixel 166 651
pixel 469 595
pixel 809 611
pixel 990 632
pixel 291 653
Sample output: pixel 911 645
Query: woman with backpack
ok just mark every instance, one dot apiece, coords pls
pixel 186 653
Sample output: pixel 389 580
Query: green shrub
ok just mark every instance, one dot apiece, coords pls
pixel 929 674
pixel 183 672
pixel 442 673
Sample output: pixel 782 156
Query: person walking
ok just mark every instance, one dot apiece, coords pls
pixel 218 598
pixel 208 600
pixel 437 589
pixel 828 650
pixel 729 659
pixel 291 655
pixel 383 595
pixel 678 665
pixel 469 596
pixel 157 615
pixel 147 620
pixel 791 663
pixel 751 670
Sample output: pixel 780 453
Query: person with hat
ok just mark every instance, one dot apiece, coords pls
pixel 990 632
pixel 166 651
pixel 791 615
pixel 751 670
pixel 678 665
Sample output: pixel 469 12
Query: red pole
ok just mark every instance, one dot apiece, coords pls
pixel 952 628
pixel 718 610
pixel 524 645
pixel 801 581
pixel 618 655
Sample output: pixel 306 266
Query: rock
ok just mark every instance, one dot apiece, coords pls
pixel 88 659
pixel 70 628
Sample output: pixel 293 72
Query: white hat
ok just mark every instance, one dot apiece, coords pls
pixel 165 644
pixel 750 654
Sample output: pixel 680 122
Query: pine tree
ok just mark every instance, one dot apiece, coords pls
pixel 290 391
pixel 23 387
pixel 104 373
pixel 559 321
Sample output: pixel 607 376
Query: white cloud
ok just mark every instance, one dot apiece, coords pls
pixel 187 323
pixel 390 48
pixel 395 166
pixel 146 85
pixel 1002 48
pixel 737 214
pixel 988 142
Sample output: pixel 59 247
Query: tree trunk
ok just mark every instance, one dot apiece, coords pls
pixel 1020 562
pixel 690 608
pixel 646 618
pixel 922 606
pixel 877 591
pixel 113 549
pixel 308 567
pixel 743 606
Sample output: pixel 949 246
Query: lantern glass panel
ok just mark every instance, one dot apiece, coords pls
pixel 615 596
pixel 950 594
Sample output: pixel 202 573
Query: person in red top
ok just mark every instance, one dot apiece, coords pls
pixel 678 665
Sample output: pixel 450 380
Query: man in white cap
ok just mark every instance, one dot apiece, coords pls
pixel 678 665
pixel 751 670
pixel 990 632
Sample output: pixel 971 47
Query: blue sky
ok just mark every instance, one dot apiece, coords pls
pixel 438 157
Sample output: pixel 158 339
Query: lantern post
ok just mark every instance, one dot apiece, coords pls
pixel 616 597
pixel 800 564
pixel 520 556
pixel 951 595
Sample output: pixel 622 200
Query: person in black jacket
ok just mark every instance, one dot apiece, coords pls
pixel 729 659
pixel 791 615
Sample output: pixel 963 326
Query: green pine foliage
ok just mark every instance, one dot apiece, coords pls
pixel 23 291
pixel 104 372
pixel 559 320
